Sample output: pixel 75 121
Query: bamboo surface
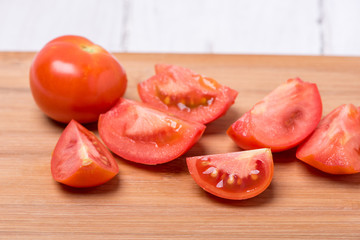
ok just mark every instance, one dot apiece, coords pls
pixel 163 202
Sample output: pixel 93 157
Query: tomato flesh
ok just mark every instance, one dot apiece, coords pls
pixel 186 94
pixel 80 159
pixel 73 78
pixel 139 133
pixel 237 175
pixel 281 120
pixel 334 147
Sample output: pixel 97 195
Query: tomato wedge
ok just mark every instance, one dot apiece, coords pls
pixel 145 135
pixel 186 94
pixel 80 159
pixel 237 175
pixel 334 147
pixel 282 120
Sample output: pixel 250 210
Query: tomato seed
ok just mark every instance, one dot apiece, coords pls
pixel 167 100
pixel 239 181
pixel 205 162
pixel 209 170
pixel 86 162
pixel 220 184
pixel 254 177
pixel 231 179
pixel 254 174
pixel 214 173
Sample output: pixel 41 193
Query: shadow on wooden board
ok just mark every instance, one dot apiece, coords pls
pixel 61 126
pixel 220 125
pixel 346 179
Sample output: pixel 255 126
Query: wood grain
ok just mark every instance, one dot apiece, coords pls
pixel 163 202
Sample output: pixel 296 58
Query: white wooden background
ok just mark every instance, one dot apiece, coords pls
pixel 306 27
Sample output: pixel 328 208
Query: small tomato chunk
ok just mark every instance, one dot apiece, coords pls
pixel 334 147
pixel 186 94
pixel 280 121
pixel 141 134
pixel 237 175
pixel 80 159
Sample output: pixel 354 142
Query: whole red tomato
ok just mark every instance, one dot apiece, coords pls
pixel 73 78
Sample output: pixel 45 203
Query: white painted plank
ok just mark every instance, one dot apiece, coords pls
pixel 257 26
pixel 28 25
pixel 342 27
pixel 202 26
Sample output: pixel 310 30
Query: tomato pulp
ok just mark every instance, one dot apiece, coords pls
pixel 334 147
pixel 282 120
pixel 73 78
pixel 145 135
pixel 237 175
pixel 80 159
pixel 186 94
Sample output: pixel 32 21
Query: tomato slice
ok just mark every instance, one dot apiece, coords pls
pixel 236 175
pixel 282 120
pixel 145 135
pixel 80 159
pixel 334 147
pixel 186 94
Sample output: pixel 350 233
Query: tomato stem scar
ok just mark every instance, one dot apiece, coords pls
pixel 89 49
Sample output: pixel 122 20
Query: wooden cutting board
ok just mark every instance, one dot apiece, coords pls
pixel 163 202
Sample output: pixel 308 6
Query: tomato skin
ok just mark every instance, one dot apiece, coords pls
pixel 186 94
pixel 139 133
pixel 80 159
pixel 245 140
pixel 282 120
pixel 236 175
pixel 334 145
pixel 72 78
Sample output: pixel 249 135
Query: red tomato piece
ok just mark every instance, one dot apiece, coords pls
pixel 145 135
pixel 72 78
pixel 282 120
pixel 334 146
pixel 237 175
pixel 80 159
pixel 186 94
